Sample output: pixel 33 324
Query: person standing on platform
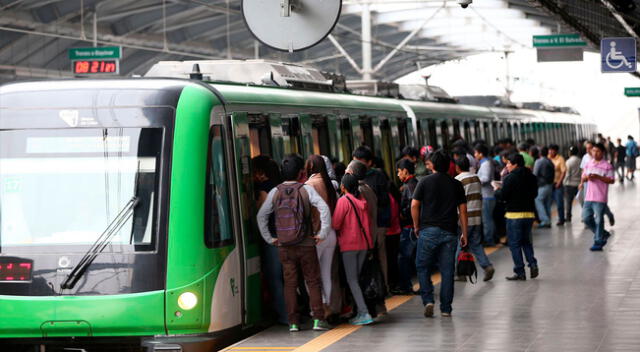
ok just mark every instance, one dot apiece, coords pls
pixel 486 174
pixel 437 201
pixel 351 220
pixel 544 171
pixel 412 154
pixel 379 183
pixel 560 171
pixel 473 192
pixel 632 154
pixel 320 181
pixel 408 237
pixel 291 203
pixel 620 160
pixel 523 149
pixel 518 191
pixel 571 181
pixel 598 175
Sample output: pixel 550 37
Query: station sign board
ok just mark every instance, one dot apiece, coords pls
pixel 632 92
pixel 558 40
pixel 618 55
pixel 95 60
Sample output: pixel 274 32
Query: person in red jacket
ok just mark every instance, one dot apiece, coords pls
pixel 351 221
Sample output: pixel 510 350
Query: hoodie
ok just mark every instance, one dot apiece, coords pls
pixel 345 222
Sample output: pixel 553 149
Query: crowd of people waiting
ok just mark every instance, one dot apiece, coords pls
pixel 326 224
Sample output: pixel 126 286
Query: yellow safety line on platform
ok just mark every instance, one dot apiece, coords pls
pixel 341 331
pixel 259 349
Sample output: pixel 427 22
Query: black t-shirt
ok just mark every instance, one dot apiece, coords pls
pixel 440 195
pixel 622 154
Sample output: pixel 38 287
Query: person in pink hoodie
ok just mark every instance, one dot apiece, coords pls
pixel 351 221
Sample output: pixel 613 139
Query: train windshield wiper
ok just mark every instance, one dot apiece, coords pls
pixel 100 244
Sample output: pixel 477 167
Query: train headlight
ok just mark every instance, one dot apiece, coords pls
pixel 187 300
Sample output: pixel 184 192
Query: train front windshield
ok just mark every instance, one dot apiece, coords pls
pixel 63 187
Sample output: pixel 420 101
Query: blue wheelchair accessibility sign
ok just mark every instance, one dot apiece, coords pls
pixel 618 54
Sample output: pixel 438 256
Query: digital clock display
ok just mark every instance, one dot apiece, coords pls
pixel 85 67
pixel 15 269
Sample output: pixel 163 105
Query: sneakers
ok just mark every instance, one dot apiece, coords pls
pixel 294 328
pixel 544 226
pixel 446 314
pixel 320 325
pixel 361 319
pixel 380 317
pixel 516 277
pixel 534 272
pixel 488 273
pixel 596 248
pixel 428 310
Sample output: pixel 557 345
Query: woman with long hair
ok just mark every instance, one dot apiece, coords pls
pixel 351 220
pixel 319 179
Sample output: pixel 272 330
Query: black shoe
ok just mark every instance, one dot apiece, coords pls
pixel 560 223
pixel 612 220
pixel 568 220
pixel 516 277
pixel 488 273
pixel 534 272
pixel 428 310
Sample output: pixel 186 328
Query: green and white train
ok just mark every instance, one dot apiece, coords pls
pixel 126 205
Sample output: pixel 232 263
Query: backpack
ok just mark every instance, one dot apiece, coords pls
pixel 467 266
pixel 292 214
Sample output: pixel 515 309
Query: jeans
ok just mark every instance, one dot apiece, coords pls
pixel 296 259
pixel 593 217
pixel 405 252
pixel 272 269
pixel 620 171
pixel 489 227
pixel 543 204
pixel 558 198
pixel 436 246
pixel 474 240
pixel 569 195
pixel 520 241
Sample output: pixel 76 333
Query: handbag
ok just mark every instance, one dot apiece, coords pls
pixel 371 278
pixel 467 266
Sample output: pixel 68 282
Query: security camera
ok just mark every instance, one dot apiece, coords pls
pixel 465 3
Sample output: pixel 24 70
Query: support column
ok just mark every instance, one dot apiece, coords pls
pixel 366 41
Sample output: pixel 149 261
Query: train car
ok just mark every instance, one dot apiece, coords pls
pixel 127 219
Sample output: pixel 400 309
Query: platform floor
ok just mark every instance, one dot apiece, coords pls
pixel 582 301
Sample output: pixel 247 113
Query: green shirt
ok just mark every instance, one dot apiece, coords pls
pixel 528 160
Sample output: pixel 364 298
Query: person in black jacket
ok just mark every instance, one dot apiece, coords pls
pixel 408 238
pixel 379 183
pixel 519 190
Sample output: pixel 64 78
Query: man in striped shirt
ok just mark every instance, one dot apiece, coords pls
pixel 473 191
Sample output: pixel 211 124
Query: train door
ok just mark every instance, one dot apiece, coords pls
pixel 335 137
pixel 245 230
pixel 347 140
pixel 403 133
pixel 305 133
pixel 386 151
pixel 366 125
pixel 259 135
pixel 457 133
pixel 442 130
pixel 291 138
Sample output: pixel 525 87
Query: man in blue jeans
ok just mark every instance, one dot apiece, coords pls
pixel 486 175
pixel 437 200
pixel 519 190
pixel 406 174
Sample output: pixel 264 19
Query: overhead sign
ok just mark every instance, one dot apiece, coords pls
pixel 632 92
pixel 560 54
pixel 558 40
pixel 95 53
pixel 618 55
pixel 95 60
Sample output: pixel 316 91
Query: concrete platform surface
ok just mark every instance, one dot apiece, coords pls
pixel 582 301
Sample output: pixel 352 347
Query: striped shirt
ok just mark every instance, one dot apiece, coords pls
pixel 473 191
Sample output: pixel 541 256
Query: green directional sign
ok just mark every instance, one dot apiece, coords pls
pixel 558 40
pixel 632 92
pixel 95 53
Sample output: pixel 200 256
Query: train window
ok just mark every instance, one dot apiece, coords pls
pixel 467 132
pixel 320 135
pixel 259 135
pixel 456 130
pixel 217 218
pixel 347 139
pixel 291 135
pixel 403 134
pixel 367 131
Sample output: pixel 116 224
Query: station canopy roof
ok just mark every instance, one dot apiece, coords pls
pixel 35 35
